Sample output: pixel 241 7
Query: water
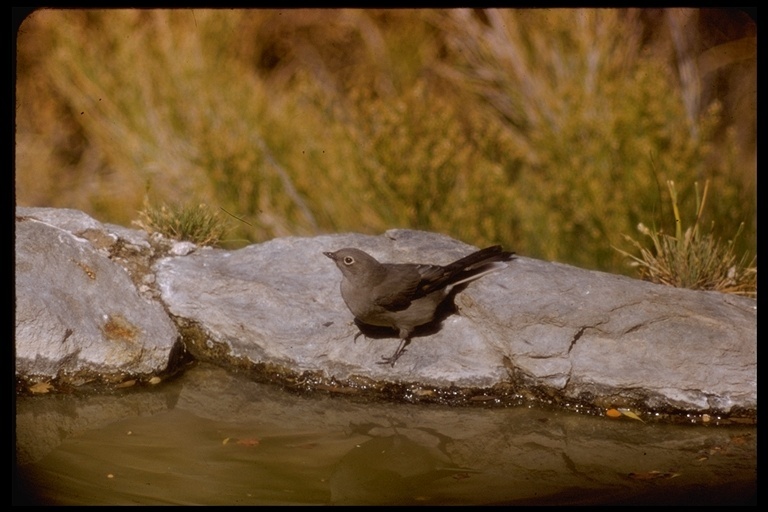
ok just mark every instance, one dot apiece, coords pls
pixel 215 438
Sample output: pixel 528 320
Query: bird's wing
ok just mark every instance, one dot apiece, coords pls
pixel 401 287
pixel 433 277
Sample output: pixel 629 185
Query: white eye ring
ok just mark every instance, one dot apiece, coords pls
pixel 348 260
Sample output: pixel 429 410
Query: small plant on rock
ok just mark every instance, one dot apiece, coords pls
pixel 692 259
pixel 194 223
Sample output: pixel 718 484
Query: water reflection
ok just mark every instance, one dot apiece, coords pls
pixel 391 468
pixel 212 437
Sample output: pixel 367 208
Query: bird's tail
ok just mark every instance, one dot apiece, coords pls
pixel 473 266
pixel 481 257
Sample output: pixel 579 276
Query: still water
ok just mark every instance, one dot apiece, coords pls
pixel 216 438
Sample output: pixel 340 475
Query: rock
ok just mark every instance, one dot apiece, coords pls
pixel 551 329
pixel 620 341
pixel 79 316
pixel 574 337
pixel 279 303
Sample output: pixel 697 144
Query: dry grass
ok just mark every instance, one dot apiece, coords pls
pixel 692 259
pixel 537 129
pixel 194 223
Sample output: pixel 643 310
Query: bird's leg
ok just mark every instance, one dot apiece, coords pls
pixel 400 349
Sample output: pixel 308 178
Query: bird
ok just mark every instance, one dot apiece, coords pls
pixel 403 296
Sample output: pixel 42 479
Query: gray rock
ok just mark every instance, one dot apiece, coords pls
pixel 78 314
pixel 591 334
pixel 559 331
pixel 553 332
pixel 279 302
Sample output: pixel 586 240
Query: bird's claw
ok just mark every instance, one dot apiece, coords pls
pixel 391 360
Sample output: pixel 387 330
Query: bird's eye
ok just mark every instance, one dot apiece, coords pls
pixel 348 260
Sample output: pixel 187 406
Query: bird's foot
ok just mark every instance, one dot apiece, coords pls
pixel 394 357
pixel 391 359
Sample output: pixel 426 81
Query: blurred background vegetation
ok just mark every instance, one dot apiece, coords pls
pixel 550 131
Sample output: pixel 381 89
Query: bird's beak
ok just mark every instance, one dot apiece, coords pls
pixel 330 255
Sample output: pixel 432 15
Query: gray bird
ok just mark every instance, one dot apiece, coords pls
pixel 404 296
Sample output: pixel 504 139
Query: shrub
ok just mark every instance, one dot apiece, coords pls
pixel 531 128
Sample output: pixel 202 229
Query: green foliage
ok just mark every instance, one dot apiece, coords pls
pixel 590 112
pixel 537 129
pixel 692 259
